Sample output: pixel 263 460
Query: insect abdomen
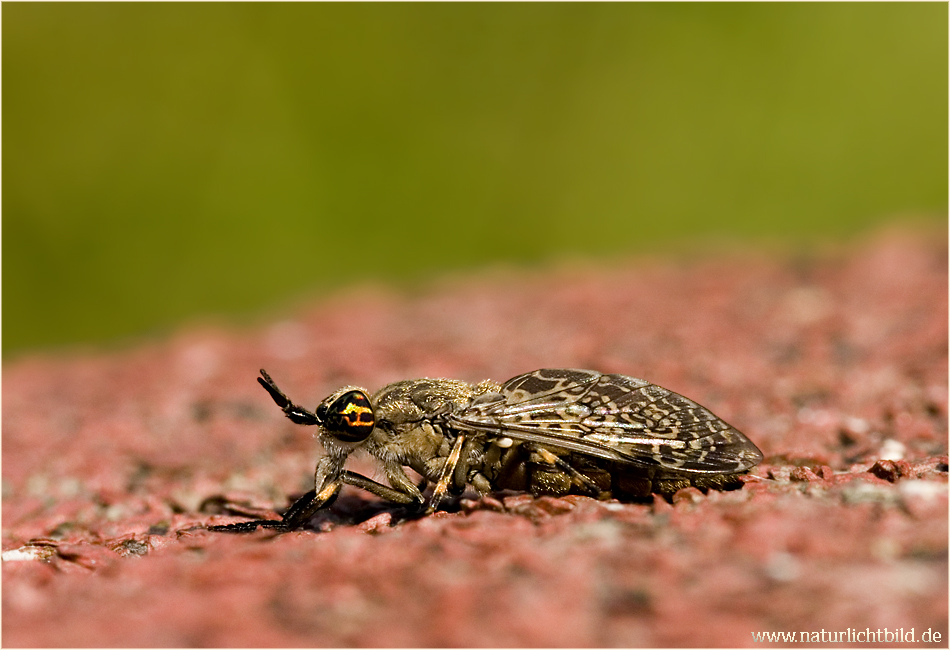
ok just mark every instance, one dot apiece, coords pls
pixel 521 470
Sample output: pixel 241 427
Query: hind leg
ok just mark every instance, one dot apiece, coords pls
pixel 552 474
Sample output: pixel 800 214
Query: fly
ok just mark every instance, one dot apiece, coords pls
pixel 551 431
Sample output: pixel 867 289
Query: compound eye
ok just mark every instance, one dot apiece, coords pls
pixel 349 417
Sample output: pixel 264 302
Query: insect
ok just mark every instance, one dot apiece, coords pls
pixel 551 431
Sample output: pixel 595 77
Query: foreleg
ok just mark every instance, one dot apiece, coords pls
pixel 298 514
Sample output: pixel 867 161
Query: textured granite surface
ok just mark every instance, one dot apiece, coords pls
pixel 835 364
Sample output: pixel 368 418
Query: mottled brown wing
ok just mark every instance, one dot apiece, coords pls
pixel 620 418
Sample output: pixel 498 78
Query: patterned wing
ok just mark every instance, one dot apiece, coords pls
pixel 620 418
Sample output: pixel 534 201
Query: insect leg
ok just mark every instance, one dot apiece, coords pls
pixel 448 473
pixel 249 526
pixel 298 513
pixel 304 508
pixel 464 466
pixel 564 466
pixel 297 414
pixel 380 490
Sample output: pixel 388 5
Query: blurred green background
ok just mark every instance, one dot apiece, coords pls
pixel 167 161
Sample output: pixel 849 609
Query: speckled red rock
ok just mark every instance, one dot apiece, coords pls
pixel 835 365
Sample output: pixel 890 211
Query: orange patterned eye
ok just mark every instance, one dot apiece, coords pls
pixel 350 417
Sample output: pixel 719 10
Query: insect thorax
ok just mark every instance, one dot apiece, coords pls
pixel 410 418
pixel 413 400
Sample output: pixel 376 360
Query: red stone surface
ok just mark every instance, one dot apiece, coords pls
pixel 834 364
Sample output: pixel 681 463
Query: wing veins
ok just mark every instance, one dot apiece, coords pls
pixel 532 434
pixel 620 440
